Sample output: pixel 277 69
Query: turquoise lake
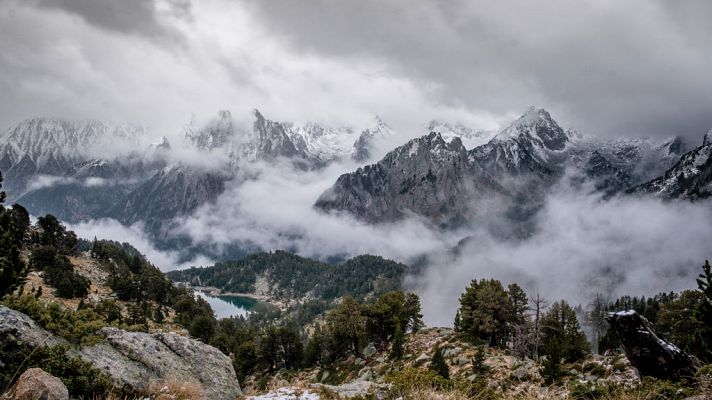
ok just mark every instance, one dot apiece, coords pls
pixel 229 306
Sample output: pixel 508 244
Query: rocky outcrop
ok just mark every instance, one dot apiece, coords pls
pixel 35 384
pixel 136 360
pixel 649 353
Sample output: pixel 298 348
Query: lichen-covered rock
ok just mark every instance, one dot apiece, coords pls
pixel 35 384
pixel 137 359
pixel 649 353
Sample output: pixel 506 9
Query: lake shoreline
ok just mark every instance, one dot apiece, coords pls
pixel 216 292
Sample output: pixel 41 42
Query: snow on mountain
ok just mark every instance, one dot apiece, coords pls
pixel 689 178
pixel 470 138
pixel 308 142
pixel 46 141
pixel 52 146
pixel 362 148
pixel 526 158
pixel 216 133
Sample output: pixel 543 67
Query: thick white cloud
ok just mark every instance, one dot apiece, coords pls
pixel 582 246
pixel 273 209
pixel 81 66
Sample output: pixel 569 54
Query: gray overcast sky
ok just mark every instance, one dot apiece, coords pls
pixel 612 68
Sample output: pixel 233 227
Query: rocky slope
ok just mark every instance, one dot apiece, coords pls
pixel 508 376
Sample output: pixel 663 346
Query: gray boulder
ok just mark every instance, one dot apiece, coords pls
pixel 137 359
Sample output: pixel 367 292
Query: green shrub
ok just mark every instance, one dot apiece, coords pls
pixel 656 389
pixel 81 379
pixel 81 326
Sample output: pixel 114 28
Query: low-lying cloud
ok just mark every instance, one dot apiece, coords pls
pixel 582 246
pixel 273 209
pixel 135 235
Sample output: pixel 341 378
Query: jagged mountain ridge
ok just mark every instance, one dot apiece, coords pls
pixel 314 144
pixel 515 169
pixel 59 173
pixel 427 174
pixel 690 178
pixel 510 173
pixel 53 146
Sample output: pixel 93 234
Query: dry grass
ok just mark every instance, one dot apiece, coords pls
pixel 175 389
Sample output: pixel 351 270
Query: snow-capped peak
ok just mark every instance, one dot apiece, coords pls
pixel 538 129
pixel 708 138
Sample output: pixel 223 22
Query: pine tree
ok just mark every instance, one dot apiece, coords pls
pixel 438 365
pixel 551 366
pixel 397 345
pixel 478 363
pixel 562 333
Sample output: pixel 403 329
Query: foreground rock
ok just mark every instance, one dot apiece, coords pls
pixel 137 360
pixel 649 353
pixel 35 384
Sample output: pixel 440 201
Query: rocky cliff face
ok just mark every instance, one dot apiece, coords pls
pixel 135 360
pixel 427 176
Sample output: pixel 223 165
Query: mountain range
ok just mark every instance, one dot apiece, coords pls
pixel 450 176
pixel 438 178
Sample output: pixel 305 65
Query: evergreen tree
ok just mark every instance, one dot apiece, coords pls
pixel 13 224
pixel 551 365
pixel 397 345
pixel 347 327
pixel 519 302
pixel 292 349
pixel 316 346
pixel 485 311
pixel 478 363
pixel 202 328
pixel 561 333
pixel 438 365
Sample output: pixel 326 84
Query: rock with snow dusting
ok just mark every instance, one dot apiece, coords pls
pixel 649 353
